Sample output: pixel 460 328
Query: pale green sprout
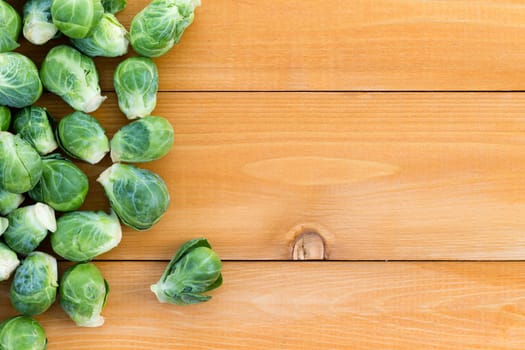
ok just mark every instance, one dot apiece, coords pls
pixel 5 118
pixel 38 27
pixel 83 235
pixel 4 224
pixel 114 6
pixel 136 82
pixel 83 293
pixel 144 140
pixel 22 333
pixel 33 125
pixel 20 85
pixel 108 39
pixel 81 136
pixel 8 262
pixel 28 226
pixel 195 269
pixel 35 284
pixel 10 25
pixel 73 76
pixel 63 186
pixel 138 196
pixel 76 18
pixel 160 25
pixel 21 166
pixel 9 201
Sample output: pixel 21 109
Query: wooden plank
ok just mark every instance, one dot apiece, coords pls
pixel 379 176
pixel 326 305
pixel 341 45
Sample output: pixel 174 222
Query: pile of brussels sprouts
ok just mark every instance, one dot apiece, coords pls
pixel 41 187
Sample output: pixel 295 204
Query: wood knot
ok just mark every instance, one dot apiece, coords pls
pixel 309 245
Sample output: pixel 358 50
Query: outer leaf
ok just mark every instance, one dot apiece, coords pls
pixel 22 333
pixel 144 140
pixel 33 125
pixel 83 293
pixel 35 284
pixel 10 25
pixel 136 82
pixel 138 196
pixel 108 39
pixel 38 26
pixel 20 164
pixel 20 85
pixel 73 76
pixel 76 18
pixel 63 186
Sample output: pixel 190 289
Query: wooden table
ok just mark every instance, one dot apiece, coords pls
pixel 386 138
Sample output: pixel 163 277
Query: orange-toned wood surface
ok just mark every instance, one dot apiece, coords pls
pixel 384 130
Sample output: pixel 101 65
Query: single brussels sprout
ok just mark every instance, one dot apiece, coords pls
pixel 138 196
pixel 34 286
pixel 83 293
pixel 22 333
pixel 5 118
pixel 8 262
pixel 73 76
pixel 21 166
pixel 144 140
pixel 28 226
pixel 160 25
pixel 194 270
pixel 63 186
pixel 108 39
pixel 20 85
pixel 114 6
pixel 10 25
pixel 136 82
pixel 9 201
pixel 81 136
pixel 83 235
pixel 38 27
pixel 76 18
pixel 33 125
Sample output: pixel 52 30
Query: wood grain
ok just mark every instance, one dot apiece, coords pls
pixel 341 45
pixel 379 176
pixel 326 305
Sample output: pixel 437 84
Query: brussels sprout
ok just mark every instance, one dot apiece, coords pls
pixel 9 201
pixel 144 140
pixel 83 293
pixel 20 164
pixel 136 82
pixel 20 85
pixel 76 18
pixel 108 39
pixel 194 270
pixel 28 226
pixel 32 124
pixel 22 333
pixel 10 25
pixel 160 25
pixel 34 286
pixel 83 235
pixel 114 6
pixel 138 196
pixel 38 26
pixel 8 262
pixel 81 136
pixel 5 118
pixel 72 76
pixel 63 186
